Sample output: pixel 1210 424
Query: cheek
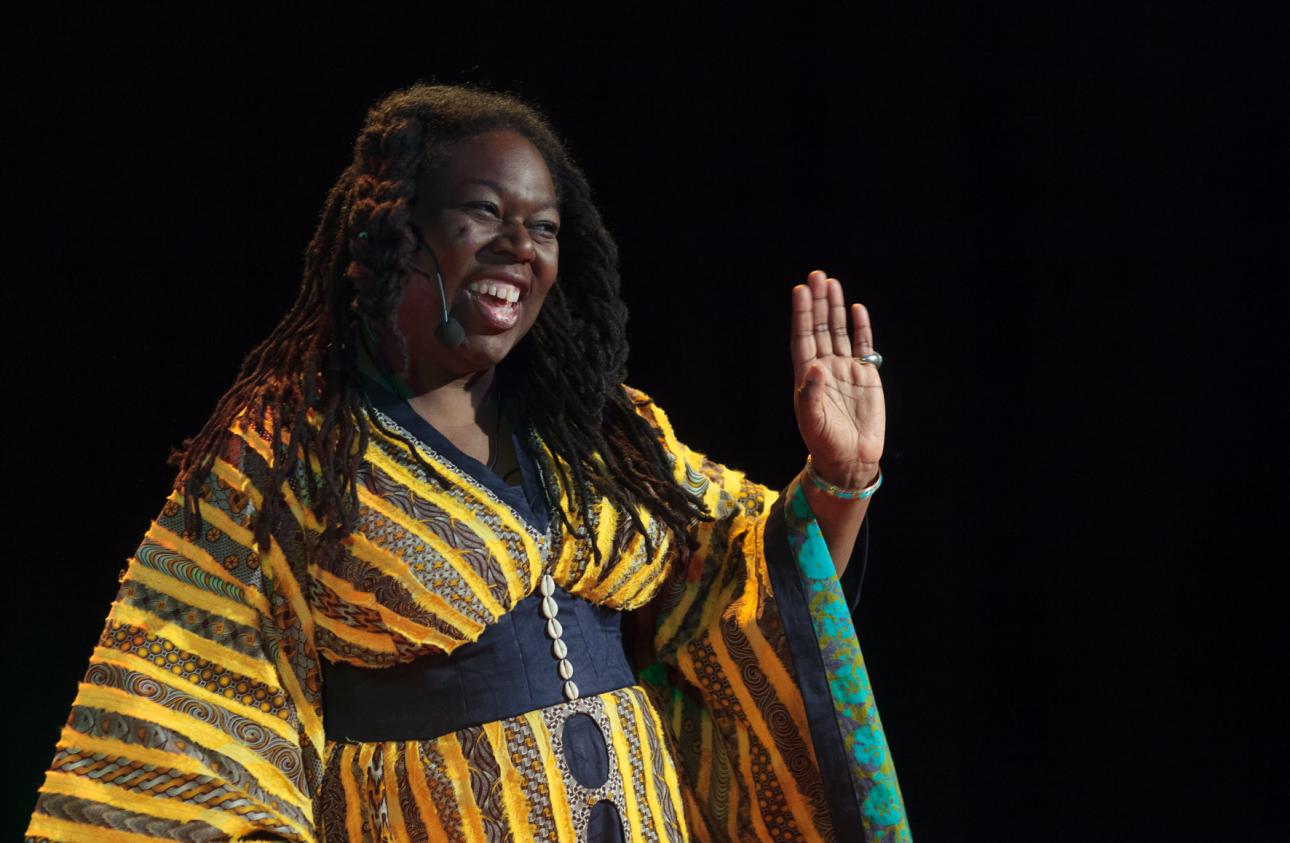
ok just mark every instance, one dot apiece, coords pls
pixel 420 306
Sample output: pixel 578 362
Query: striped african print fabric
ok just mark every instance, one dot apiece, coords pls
pixel 201 714
pixel 508 780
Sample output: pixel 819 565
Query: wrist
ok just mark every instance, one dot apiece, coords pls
pixel 855 482
pixel 854 475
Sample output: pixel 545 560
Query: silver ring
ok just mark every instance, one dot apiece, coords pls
pixel 873 358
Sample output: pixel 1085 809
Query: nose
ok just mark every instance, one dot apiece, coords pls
pixel 514 241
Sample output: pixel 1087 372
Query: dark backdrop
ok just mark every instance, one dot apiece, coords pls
pixel 1069 226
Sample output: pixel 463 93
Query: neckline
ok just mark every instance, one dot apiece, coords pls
pixel 527 500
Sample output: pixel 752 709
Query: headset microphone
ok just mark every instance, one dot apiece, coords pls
pixel 449 332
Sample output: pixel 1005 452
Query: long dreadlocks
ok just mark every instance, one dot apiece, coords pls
pixel 566 373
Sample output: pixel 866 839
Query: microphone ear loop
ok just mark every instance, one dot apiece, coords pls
pixel 449 332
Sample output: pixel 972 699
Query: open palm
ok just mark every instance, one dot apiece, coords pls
pixel 837 398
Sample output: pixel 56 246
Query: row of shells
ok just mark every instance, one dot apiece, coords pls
pixel 559 650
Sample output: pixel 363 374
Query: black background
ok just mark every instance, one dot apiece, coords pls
pixel 1070 227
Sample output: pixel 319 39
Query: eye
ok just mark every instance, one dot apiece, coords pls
pixel 546 229
pixel 484 207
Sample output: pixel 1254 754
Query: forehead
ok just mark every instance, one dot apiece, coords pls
pixel 502 159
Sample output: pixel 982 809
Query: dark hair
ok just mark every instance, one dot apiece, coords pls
pixel 566 373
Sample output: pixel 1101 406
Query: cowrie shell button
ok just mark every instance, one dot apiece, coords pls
pixel 549 607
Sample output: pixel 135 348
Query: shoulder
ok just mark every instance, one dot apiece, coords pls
pixel 652 413
pixel 636 396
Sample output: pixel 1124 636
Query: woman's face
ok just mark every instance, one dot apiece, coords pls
pixel 489 213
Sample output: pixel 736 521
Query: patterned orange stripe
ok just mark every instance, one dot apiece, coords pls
pixel 670 624
pixel 621 570
pixel 162 807
pixel 251 711
pixel 364 773
pixel 184 639
pixel 479 589
pixel 705 752
pixel 470 517
pixel 280 579
pixel 373 641
pixel 243 430
pixel 458 773
pixel 732 803
pixel 303 516
pixel 405 626
pixel 163 537
pixel 776 674
pixel 606 526
pixel 709 759
pixel 647 766
pixel 67 831
pixel 676 713
pixel 745 772
pixel 389 761
pixel 310 718
pixel 749 606
pixel 568 552
pixel 221 520
pixel 669 769
pixel 212 739
pixel 651 412
pixel 421 793
pixel 637 591
pixel 714 605
pixel 348 784
pixel 396 567
pixel 553 780
pixel 231 475
pixel 752 715
pixel 513 799
pixel 208 601
pixel 696 820
pixel 606 529
pixel 626 766
pixel 69 738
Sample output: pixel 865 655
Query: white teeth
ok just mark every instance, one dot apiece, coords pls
pixel 506 292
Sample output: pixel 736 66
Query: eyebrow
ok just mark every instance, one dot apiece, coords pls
pixel 497 188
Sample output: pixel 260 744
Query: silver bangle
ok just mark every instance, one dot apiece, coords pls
pixel 837 491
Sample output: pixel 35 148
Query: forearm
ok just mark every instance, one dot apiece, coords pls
pixel 839 518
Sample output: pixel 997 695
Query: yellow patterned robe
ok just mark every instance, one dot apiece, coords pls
pixel 201 714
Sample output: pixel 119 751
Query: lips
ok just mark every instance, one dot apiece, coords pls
pixel 496 300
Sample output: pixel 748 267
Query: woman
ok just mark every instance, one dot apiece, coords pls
pixel 430 571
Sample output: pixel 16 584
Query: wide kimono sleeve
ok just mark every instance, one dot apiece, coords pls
pixel 759 676
pixel 198 718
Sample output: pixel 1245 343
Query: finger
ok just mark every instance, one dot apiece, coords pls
pixel 801 333
pixel 862 329
pixel 838 320
pixel 820 314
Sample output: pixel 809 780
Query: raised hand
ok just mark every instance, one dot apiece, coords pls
pixel 838 399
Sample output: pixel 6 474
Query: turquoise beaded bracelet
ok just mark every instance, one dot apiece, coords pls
pixel 837 491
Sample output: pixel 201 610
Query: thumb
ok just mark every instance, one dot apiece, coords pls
pixel 812 378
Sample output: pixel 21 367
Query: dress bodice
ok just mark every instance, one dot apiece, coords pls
pixel 439 556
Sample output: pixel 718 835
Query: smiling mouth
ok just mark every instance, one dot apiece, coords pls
pixel 497 301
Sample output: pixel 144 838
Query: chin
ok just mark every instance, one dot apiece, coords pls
pixel 487 351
